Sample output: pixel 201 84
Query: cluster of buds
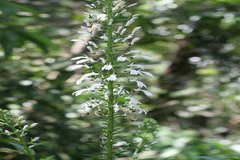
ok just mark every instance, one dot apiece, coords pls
pixel 15 129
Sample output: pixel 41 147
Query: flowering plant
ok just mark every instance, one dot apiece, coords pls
pixel 14 131
pixel 111 68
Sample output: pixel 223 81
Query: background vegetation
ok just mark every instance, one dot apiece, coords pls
pixel 194 49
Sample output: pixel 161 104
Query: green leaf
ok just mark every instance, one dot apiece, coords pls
pixel 8 150
pixel 19 147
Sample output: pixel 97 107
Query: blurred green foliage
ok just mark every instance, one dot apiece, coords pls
pixel 195 49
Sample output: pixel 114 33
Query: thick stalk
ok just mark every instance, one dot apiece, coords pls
pixel 110 122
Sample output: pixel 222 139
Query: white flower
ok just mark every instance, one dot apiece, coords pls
pixel 139 66
pixel 20 118
pixel 93 44
pixel 85 77
pixel 35 139
pixel 121 59
pixel 119 29
pixel 131 21
pixel 102 17
pixel 89 6
pixel 25 127
pixel 103 60
pixel 133 101
pixel 148 73
pixel 80 57
pixel 118 5
pixel 7 132
pixel 121 90
pixel 141 56
pixel 91 88
pixel 139 84
pixel 90 49
pixel 133 51
pixel 116 108
pixel 127 38
pixel 104 37
pixel 112 77
pixel 147 93
pixel 135 30
pixel 83 61
pixel 85 33
pixel 135 72
pixel 34 125
pixel 79 92
pixel 75 67
pixel 135 40
pixel 95 86
pixel 110 22
pixel 123 31
pixel 84 108
pixel 107 67
pixel 117 40
pixel 132 5
pixel 119 144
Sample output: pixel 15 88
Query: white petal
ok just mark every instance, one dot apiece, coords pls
pixel 131 21
pixel 116 108
pixel 135 72
pixel 133 51
pixel 133 101
pixel 141 56
pixel 93 44
pixel 82 61
pixel 34 125
pixel 121 59
pixel 107 67
pixel 135 40
pixel 35 139
pixel 123 31
pixel 74 67
pixel 121 143
pixel 80 57
pixel 85 77
pixel 132 5
pixel 138 66
pixel 148 73
pixel 95 86
pixel 141 84
pixel 102 17
pixel 104 37
pixel 147 93
pixel 135 30
pixel 112 77
pixel 79 92
pixel 90 49
pixel 119 29
pixel 103 60
pixel 127 38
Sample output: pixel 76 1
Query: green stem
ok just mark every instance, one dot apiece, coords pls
pixel 134 157
pixel 110 122
pixel 27 149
